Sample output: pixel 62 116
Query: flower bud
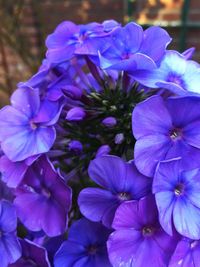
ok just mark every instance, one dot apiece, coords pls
pixel 73 92
pixel 103 150
pixel 119 138
pixel 75 146
pixel 76 114
pixel 109 122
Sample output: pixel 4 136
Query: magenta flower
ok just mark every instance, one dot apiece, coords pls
pixel 187 254
pixel 32 255
pixel 13 172
pixel 138 239
pixel 44 193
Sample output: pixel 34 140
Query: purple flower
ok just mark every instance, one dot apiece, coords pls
pixel 85 247
pixel 133 48
pixel 44 193
pixel 13 172
pixel 109 122
pixel 10 249
pixel 26 127
pixel 175 73
pixel 166 129
pixel 41 79
pixel 51 81
pixel 187 254
pixel 69 39
pixel 120 181
pixel 177 194
pixel 139 239
pixel 76 114
pixel 32 255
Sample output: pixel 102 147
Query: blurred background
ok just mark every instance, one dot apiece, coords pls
pixel 25 25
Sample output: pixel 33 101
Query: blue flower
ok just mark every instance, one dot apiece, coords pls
pixel 176 74
pixel 177 193
pixel 120 181
pixel 69 39
pixel 166 129
pixel 85 247
pixel 133 49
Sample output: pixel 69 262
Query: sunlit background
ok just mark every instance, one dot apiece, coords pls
pixel 26 23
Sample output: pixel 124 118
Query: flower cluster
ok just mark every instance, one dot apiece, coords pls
pixel 100 153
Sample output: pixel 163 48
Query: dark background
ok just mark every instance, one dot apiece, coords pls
pixel 26 23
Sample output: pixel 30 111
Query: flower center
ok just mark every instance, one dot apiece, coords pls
pixel 179 189
pixel 194 244
pixel 175 134
pixel 123 196
pixel 92 249
pixel 33 125
pixel 175 78
pixel 45 192
pixel 147 231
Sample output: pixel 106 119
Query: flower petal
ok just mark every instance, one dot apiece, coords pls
pixel 11 121
pixel 151 117
pixel 182 256
pixel 108 172
pixel 94 204
pixel 29 143
pixel 165 202
pixel 150 147
pixel 122 247
pixel 12 172
pixel 12 247
pixel 167 175
pixel 8 218
pixel 182 214
pixel 172 87
pixel 192 76
pixel 153 49
pixel 26 100
pixel 191 133
pixel 62 33
pixel 68 254
pixel 136 184
pixel 183 110
pixel 87 233
pixel 149 78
